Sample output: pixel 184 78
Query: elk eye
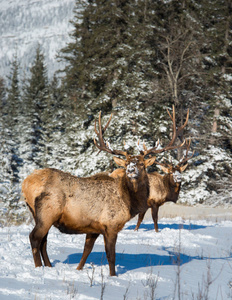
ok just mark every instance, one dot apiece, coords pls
pixel 142 165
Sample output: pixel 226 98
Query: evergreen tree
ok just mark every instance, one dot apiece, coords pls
pixel 10 161
pixel 217 22
pixel 12 115
pixel 2 91
pixel 14 90
pixel 179 36
pixel 13 107
pixel 13 111
pixel 36 89
pixel 107 62
pixel 135 58
pixel 36 100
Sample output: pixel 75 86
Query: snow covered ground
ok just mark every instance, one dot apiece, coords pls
pixel 185 260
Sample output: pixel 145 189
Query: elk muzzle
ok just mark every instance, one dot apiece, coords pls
pixel 177 177
pixel 132 170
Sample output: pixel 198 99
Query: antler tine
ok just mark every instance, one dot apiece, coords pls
pixel 175 133
pixel 95 127
pixel 166 148
pixel 184 125
pixel 107 124
pixel 173 125
pixel 166 165
pixel 186 158
pixel 100 128
pixel 102 146
pixel 173 113
pixel 99 122
pixel 99 134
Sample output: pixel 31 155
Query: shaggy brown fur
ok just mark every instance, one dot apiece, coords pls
pixel 163 188
pixel 93 205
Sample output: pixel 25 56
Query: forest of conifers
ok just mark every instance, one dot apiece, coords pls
pixel 135 59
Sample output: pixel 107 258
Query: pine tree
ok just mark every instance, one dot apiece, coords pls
pixel 140 57
pixel 14 90
pixel 2 91
pixel 179 57
pixel 107 60
pixel 36 89
pixel 10 162
pixel 13 110
pixel 13 105
pixel 217 21
pixel 36 101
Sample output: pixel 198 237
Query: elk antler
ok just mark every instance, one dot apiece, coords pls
pixel 185 157
pixel 175 134
pixel 164 164
pixel 102 146
pixel 183 126
pixel 183 160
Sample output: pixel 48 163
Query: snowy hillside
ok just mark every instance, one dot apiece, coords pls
pixel 25 23
pixel 185 260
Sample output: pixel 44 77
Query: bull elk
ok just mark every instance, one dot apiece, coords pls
pixel 162 188
pixel 92 205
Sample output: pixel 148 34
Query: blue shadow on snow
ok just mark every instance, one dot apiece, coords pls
pixel 150 226
pixel 129 261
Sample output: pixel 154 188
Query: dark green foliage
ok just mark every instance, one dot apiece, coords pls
pixel 218 24
pixel 36 100
pixel 10 162
pixel 36 89
pixel 2 91
pixel 14 90
pixel 136 59
pixel 107 60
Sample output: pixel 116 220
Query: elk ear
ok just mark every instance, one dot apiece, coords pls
pixel 150 161
pixel 183 168
pixel 120 162
pixel 164 169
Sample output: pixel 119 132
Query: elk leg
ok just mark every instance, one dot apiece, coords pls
pixel 140 219
pixel 43 251
pixel 89 243
pixel 110 242
pixel 36 237
pixel 155 209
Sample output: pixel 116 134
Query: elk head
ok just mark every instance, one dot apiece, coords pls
pixel 175 171
pixel 135 165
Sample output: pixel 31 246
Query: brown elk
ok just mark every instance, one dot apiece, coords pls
pixel 162 188
pixel 93 205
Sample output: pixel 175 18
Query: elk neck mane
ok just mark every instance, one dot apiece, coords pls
pixel 172 187
pixel 139 191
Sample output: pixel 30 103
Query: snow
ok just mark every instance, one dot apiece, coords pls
pixel 139 145
pixel 147 262
pixel 25 23
pixel 194 255
pixel 227 77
